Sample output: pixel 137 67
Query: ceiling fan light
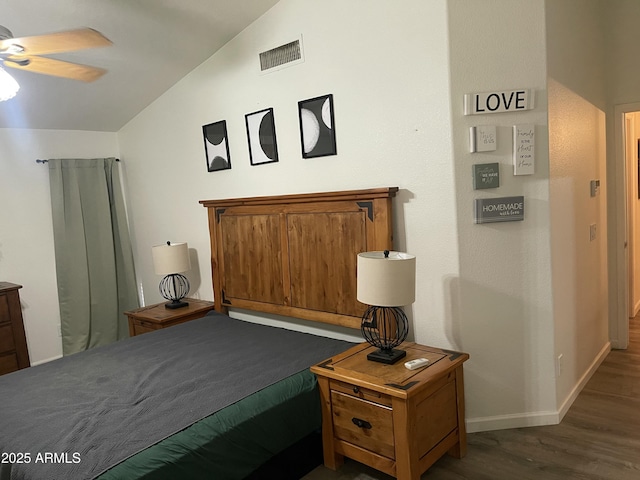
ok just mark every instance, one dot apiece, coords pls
pixel 8 86
pixel 15 49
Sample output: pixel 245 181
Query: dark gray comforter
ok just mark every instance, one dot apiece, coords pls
pixel 78 416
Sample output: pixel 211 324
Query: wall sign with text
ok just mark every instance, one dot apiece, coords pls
pixel 486 175
pixel 483 138
pixel 499 101
pixel 505 209
pixel 524 151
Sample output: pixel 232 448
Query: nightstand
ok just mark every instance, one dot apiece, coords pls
pixel 395 420
pixel 155 317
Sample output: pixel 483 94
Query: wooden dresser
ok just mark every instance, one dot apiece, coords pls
pixel 13 343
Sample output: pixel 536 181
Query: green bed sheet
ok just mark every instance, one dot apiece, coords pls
pixel 235 441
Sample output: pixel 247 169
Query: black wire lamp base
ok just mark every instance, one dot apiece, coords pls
pixel 389 357
pixel 176 304
pixel 385 328
pixel 174 287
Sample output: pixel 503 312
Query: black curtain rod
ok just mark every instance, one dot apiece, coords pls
pixel 45 161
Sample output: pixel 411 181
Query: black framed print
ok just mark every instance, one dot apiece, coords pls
pixel 216 146
pixel 317 127
pixel 261 136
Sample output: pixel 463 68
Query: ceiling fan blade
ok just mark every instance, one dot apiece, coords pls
pixel 57 68
pixel 67 41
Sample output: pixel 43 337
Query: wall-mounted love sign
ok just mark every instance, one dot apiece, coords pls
pixel 498 102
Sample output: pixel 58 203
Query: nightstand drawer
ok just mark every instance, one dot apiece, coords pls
pixel 144 326
pixel 366 424
pixel 362 393
pixel 140 327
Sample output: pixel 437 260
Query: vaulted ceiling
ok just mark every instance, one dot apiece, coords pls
pixel 155 44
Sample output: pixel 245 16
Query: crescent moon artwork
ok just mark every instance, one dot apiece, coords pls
pixel 216 146
pixel 261 136
pixel 317 127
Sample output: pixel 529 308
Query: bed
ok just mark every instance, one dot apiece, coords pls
pixel 216 397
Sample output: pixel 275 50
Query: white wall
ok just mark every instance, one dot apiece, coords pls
pixel 398 72
pixel 392 127
pixel 505 316
pixel 577 100
pixel 26 232
pixel 482 289
pixel 623 91
pixel 620 19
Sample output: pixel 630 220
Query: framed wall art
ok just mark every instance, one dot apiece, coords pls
pixel 317 127
pixel 486 175
pixel 216 146
pixel 261 136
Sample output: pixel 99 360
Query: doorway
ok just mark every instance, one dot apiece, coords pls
pixel 632 161
pixel 624 232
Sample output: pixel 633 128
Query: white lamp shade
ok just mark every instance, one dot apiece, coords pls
pixel 170 258
pixel 386 282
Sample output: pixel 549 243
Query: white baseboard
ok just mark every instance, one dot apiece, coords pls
pixel 564 408
pixel 537 419
pixel 40 362
pixel 517 420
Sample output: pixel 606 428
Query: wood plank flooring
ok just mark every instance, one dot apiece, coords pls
pixel 598 439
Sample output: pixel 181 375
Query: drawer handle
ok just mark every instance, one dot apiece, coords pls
pixel 361 423
pixel 356 390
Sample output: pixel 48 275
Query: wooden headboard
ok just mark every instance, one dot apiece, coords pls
pixel 296 255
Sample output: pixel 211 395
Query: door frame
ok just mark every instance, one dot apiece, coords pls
pixel 631 169
pixel 619 234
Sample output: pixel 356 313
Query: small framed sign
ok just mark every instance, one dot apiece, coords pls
pixel 524 149
pixel 505 209
pixel 486 175
pixel 482 138
pixel 499 101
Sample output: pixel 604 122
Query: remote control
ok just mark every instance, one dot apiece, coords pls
pixel 417 363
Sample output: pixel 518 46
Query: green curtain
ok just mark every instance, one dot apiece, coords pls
pixel 94 260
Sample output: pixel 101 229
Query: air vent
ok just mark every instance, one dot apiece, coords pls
pixel 280 57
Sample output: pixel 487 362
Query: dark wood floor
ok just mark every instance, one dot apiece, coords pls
pixel 598 439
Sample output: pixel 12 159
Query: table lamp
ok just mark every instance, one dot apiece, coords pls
pixel 171 260
pixel 386 282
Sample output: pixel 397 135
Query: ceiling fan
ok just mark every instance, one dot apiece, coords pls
pixel 24 53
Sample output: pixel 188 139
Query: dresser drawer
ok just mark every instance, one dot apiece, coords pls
pixel 13 343
pixel 8 363
pixel 4 309
pixel 6 339
pixel 363 423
